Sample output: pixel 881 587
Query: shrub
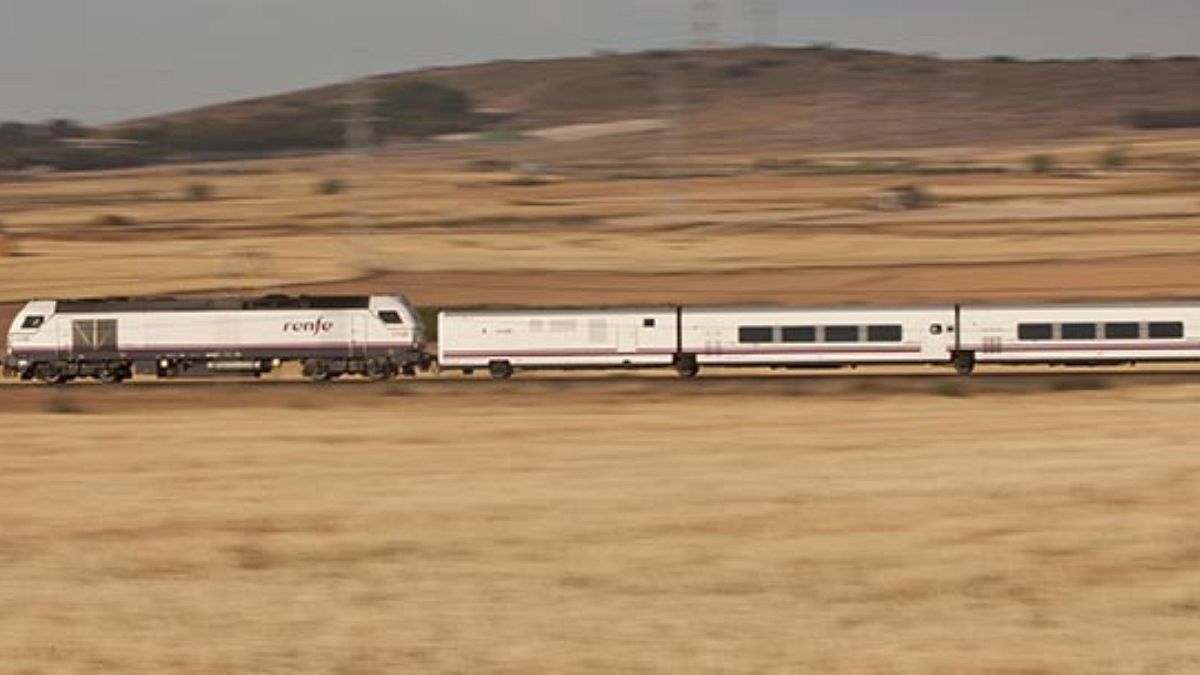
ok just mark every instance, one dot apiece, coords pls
pixel 914 196
pixel 60 404
pixel 1164 119
pixel 1042 163
pixel 526 181
pixel 422 109
pixel 113 220
pixel 198 192
pixel 950 389
pixel 1079 383
pixel 739 71
pixel 331 186
pixel 1113 158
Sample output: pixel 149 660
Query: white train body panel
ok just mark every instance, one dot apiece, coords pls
pixel 818 336
pixel 215 329
pixel 603 338
pixel 1097 333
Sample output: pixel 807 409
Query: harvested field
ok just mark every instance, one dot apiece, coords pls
pixel 600 530
pixel 427 222
pixel 821 524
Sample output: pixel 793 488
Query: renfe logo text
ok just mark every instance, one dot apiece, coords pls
pixel 316 326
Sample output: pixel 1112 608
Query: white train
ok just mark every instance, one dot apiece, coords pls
pixel 57 341
pixel 688 338
pixel 380 336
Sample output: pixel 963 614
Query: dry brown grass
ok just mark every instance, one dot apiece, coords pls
pixel 132 233
pixel 605 532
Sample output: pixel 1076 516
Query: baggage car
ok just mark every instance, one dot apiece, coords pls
pixel 506 340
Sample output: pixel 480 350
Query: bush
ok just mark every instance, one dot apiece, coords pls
pixel 198 192
pixel 112 220
pixel 914 196
pixel 61 404
pixel 951 389
pixel 423 109
pixel 1165 119
pixel 1042 164
pixel 1113 158
pixel 331 186
pixel 739 71
pixel 526 181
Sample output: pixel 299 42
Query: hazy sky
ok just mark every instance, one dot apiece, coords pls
pixel 103 60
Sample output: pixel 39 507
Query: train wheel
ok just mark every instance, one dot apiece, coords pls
pixel 378 372
pixel 51 375
pixel 687 367
pixel 964 363
pixel 112 376
pixel 317 371
pixel 500 370
pixel 55 378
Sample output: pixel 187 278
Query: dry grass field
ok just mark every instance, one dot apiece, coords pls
pixel 759 526
pixel 615 528
pixel 435 225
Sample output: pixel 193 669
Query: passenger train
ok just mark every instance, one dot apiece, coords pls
pixel 380 337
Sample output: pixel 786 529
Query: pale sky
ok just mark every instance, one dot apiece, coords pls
pixel 105 60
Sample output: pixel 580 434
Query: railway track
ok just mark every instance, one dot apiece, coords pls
pixel 935 381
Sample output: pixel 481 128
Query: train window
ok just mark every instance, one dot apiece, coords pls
pixel 1035 331
pixel 648 323
pixel 756 334
pixel 799 333
pixel 33 322
pixel 1172 330
pixel 841 333
pixel 885 333
pixel 1122 331
pixel 1079 331
pixel 390 316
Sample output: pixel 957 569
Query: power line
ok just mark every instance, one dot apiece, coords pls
pixel 705 23
pixel 764 19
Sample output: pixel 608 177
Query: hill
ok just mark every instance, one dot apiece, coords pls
pixel 816 97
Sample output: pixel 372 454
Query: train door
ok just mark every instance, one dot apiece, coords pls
pixel 626 339
pixel 359 335
pixel 939 341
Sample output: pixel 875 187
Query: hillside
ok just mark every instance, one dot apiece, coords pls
pixel 815 98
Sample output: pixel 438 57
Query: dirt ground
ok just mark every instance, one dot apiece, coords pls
pixel 619 529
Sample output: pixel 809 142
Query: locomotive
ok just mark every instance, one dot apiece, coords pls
pixel 112 339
